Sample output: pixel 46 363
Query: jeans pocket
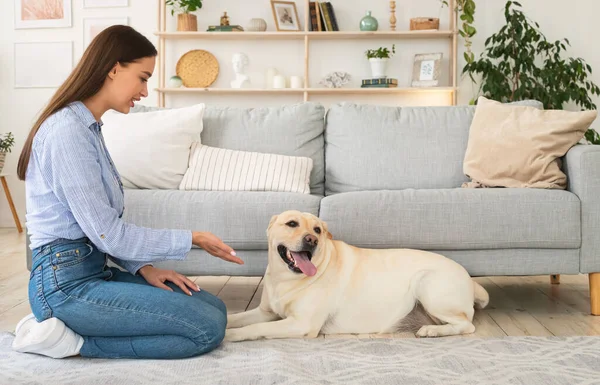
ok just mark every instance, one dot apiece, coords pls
pixel 37 297
pixel 71 254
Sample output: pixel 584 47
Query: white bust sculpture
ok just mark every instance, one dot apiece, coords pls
pixel 240 62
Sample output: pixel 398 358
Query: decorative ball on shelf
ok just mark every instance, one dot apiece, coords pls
pixel 369 23
pixel 175 82
pixel 256 25
pixel 335 79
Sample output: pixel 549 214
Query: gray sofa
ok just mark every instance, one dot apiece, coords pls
pixel 385 177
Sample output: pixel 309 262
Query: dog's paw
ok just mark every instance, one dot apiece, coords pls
pixel 428 331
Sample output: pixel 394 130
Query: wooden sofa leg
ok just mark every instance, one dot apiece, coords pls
pixel 595 293
pixel 555 279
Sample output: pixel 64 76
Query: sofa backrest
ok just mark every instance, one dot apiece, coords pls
pixel 295 130
pixel 371 147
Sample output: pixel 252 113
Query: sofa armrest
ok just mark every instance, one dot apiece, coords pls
pixel 582 167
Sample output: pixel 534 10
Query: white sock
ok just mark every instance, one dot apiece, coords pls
pixel 50 338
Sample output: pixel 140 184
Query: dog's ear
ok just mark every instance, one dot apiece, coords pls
pixel 271 222
pixel 326 229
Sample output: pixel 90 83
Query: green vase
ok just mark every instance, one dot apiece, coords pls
pixel 368 23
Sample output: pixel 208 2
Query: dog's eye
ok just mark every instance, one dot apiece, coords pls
pixel 292 224
pixel 318 230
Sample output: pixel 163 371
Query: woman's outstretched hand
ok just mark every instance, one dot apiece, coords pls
pixel 213 245
pixel 158 277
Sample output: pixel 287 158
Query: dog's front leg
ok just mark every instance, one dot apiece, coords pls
pixel 254 316
pixel 285 328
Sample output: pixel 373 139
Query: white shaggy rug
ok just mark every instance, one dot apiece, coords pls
pixel 511 360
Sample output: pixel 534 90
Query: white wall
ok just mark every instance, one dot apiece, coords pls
pixel 576 20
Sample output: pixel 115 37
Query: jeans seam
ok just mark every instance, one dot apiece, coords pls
pixel 166 317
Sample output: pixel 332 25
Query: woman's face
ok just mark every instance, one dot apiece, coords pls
pixel 129 83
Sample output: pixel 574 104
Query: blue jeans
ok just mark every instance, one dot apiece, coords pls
pixel 120 315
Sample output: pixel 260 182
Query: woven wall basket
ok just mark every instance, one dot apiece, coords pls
pixel 197 68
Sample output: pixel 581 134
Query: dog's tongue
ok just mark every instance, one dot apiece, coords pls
pixel 304 264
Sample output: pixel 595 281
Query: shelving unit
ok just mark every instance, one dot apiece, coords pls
pixel 308 36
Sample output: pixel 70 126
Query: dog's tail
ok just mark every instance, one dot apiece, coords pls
pixel 482 298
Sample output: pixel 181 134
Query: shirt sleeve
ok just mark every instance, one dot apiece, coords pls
pixel 130 266
pixel 70 164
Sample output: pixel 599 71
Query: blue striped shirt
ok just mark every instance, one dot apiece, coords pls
pixel 74 190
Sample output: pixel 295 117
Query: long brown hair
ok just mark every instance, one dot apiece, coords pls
pixel 116 44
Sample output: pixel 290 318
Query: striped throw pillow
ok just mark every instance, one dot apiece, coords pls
pixel 219 169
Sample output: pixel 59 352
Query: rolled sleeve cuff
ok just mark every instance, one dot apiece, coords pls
pixel 182 244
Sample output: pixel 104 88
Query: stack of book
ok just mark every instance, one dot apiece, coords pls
pixel 322 16
pixel 379 83
pixel 225 28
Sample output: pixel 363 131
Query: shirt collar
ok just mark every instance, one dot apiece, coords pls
pixel 85 115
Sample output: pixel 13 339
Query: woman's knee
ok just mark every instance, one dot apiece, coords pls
pixel 213 331
pixel 214 301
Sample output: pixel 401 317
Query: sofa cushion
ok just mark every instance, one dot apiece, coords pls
pixel 379 147
pixel 455 219
pixel 240 219
pixel 295 130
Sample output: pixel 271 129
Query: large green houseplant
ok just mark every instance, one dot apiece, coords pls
pixel 520 63
pixel 465 9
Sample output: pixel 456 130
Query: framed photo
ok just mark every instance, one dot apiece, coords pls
pixel 42 14
pixel 34 70
pixel 286 15
pixel 92 26
pixel 105 3
pixel 426 70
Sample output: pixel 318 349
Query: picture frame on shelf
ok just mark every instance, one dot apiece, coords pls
pixel 92 26
pixel 427 69
pixel 285 15
pixel 34 70
pixel 42 14
pixel 105 3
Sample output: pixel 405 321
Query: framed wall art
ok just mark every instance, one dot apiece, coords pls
pixel 42 14
pixel 34 70
pixel 92 26
pixel 426 70
pixel 286 15
pixel 105 3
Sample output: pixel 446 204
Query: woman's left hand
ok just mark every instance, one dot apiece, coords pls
pixel 158 277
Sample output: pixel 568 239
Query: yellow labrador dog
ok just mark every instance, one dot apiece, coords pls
pixel 314 284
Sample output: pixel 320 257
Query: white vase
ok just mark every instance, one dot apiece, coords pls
pixel 378 67
pixel 2 157
pixel 256 25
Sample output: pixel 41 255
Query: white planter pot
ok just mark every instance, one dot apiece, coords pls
pixel 378 67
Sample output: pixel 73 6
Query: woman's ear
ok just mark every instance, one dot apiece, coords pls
pixel 113 72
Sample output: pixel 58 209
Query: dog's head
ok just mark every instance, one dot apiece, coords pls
pixel 296 242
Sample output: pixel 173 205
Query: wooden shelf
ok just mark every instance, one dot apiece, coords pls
pixel 271 35
pixel 307 37
pixel 322 91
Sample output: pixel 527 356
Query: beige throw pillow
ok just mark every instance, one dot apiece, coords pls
pixel 519 146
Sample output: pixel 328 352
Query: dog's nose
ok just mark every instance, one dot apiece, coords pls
pixel 311 240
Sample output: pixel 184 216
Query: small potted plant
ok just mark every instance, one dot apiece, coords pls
pixel 378 59
pixel 185 20
pixel 6 143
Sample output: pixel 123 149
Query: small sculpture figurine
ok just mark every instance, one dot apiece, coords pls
pixel 335 79
pixel 393 15
pixel 240 62
pixel 224 19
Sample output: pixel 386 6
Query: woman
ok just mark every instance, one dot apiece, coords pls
pixel 74 209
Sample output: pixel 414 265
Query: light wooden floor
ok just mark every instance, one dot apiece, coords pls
pixel 519 306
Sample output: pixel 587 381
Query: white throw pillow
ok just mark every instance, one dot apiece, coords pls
pixel 151 149
pixel 220 169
